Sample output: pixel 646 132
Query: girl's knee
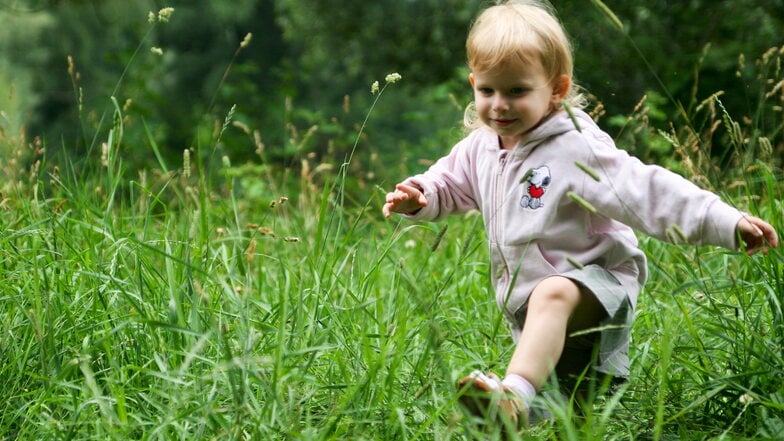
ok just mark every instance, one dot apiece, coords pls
pixel 555 290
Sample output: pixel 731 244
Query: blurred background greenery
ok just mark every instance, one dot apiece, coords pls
pixel 310 64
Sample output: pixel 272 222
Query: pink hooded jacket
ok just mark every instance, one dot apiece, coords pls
pixel 565 198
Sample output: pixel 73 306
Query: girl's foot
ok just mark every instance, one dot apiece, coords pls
pixel 483 395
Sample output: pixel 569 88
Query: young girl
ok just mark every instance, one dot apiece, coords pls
pixel 559 202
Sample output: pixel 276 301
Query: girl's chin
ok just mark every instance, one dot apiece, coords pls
pixel 509 130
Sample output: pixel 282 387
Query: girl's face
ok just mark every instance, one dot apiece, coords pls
pixel 512 101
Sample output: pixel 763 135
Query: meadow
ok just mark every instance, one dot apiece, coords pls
pixel 257 301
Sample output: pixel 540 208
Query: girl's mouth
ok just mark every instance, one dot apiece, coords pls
pixel 503 122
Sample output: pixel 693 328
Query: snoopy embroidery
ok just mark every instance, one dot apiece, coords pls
pixel 536 185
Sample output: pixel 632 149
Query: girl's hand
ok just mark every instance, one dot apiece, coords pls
pixel 757 234
pixel 405 199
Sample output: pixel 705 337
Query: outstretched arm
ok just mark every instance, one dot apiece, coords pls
pixel 756 234
pixel 405 199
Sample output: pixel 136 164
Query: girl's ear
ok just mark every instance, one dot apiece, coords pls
pixel 471 79
pixel 561 86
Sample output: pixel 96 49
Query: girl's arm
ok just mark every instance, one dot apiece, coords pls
pixel 447 187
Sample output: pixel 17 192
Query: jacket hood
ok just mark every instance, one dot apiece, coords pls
pixel 557 124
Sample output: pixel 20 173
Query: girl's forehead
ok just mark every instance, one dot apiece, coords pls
pixel 502 58
pixel 513 72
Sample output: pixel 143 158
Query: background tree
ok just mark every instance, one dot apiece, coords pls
pixel 320 56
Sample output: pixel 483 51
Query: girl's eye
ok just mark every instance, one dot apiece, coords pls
pixel 486 91
pixel 517 91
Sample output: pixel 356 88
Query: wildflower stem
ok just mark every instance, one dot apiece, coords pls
pixel 391 78
pixel 139 47
pixel 226 72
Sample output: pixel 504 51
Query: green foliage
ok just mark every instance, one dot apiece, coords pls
pixel 347 43
pixel 314 53
pixel 257 305
pixel 243 285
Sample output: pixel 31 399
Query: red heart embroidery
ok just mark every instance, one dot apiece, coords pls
pixel 535 192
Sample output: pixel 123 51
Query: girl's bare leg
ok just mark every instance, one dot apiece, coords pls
pixel 557 307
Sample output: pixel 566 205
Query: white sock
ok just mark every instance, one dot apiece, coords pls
pixel 520 386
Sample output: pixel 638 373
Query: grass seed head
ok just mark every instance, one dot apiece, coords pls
pixel 246 41
pixel 393 78
pixel 186 163
pixel 266 231
pixel 582 202
pixel 164 15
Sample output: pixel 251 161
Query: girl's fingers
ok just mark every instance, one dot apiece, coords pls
pixel 764 231
pixel 405 198
pixel 757 234
pixel 396 196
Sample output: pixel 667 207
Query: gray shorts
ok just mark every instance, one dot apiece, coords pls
pixel 606 349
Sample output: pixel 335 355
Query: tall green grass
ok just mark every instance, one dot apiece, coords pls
pixel 212 300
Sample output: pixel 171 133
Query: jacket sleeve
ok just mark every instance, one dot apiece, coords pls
pixel 656 201
pixel 448 185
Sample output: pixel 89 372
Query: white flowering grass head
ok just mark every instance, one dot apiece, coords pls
pixel 246 41
pixel 163 16
pixel 186 163
pixel 393 78
pixel 389 79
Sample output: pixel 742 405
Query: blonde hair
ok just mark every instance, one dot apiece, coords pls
pixel 521 32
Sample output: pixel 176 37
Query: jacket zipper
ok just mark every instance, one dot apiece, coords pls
pixel 499 195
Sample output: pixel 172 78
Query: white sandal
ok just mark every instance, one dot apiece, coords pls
pixel 485 396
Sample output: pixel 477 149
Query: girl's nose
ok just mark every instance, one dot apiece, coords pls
pixel 499 103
